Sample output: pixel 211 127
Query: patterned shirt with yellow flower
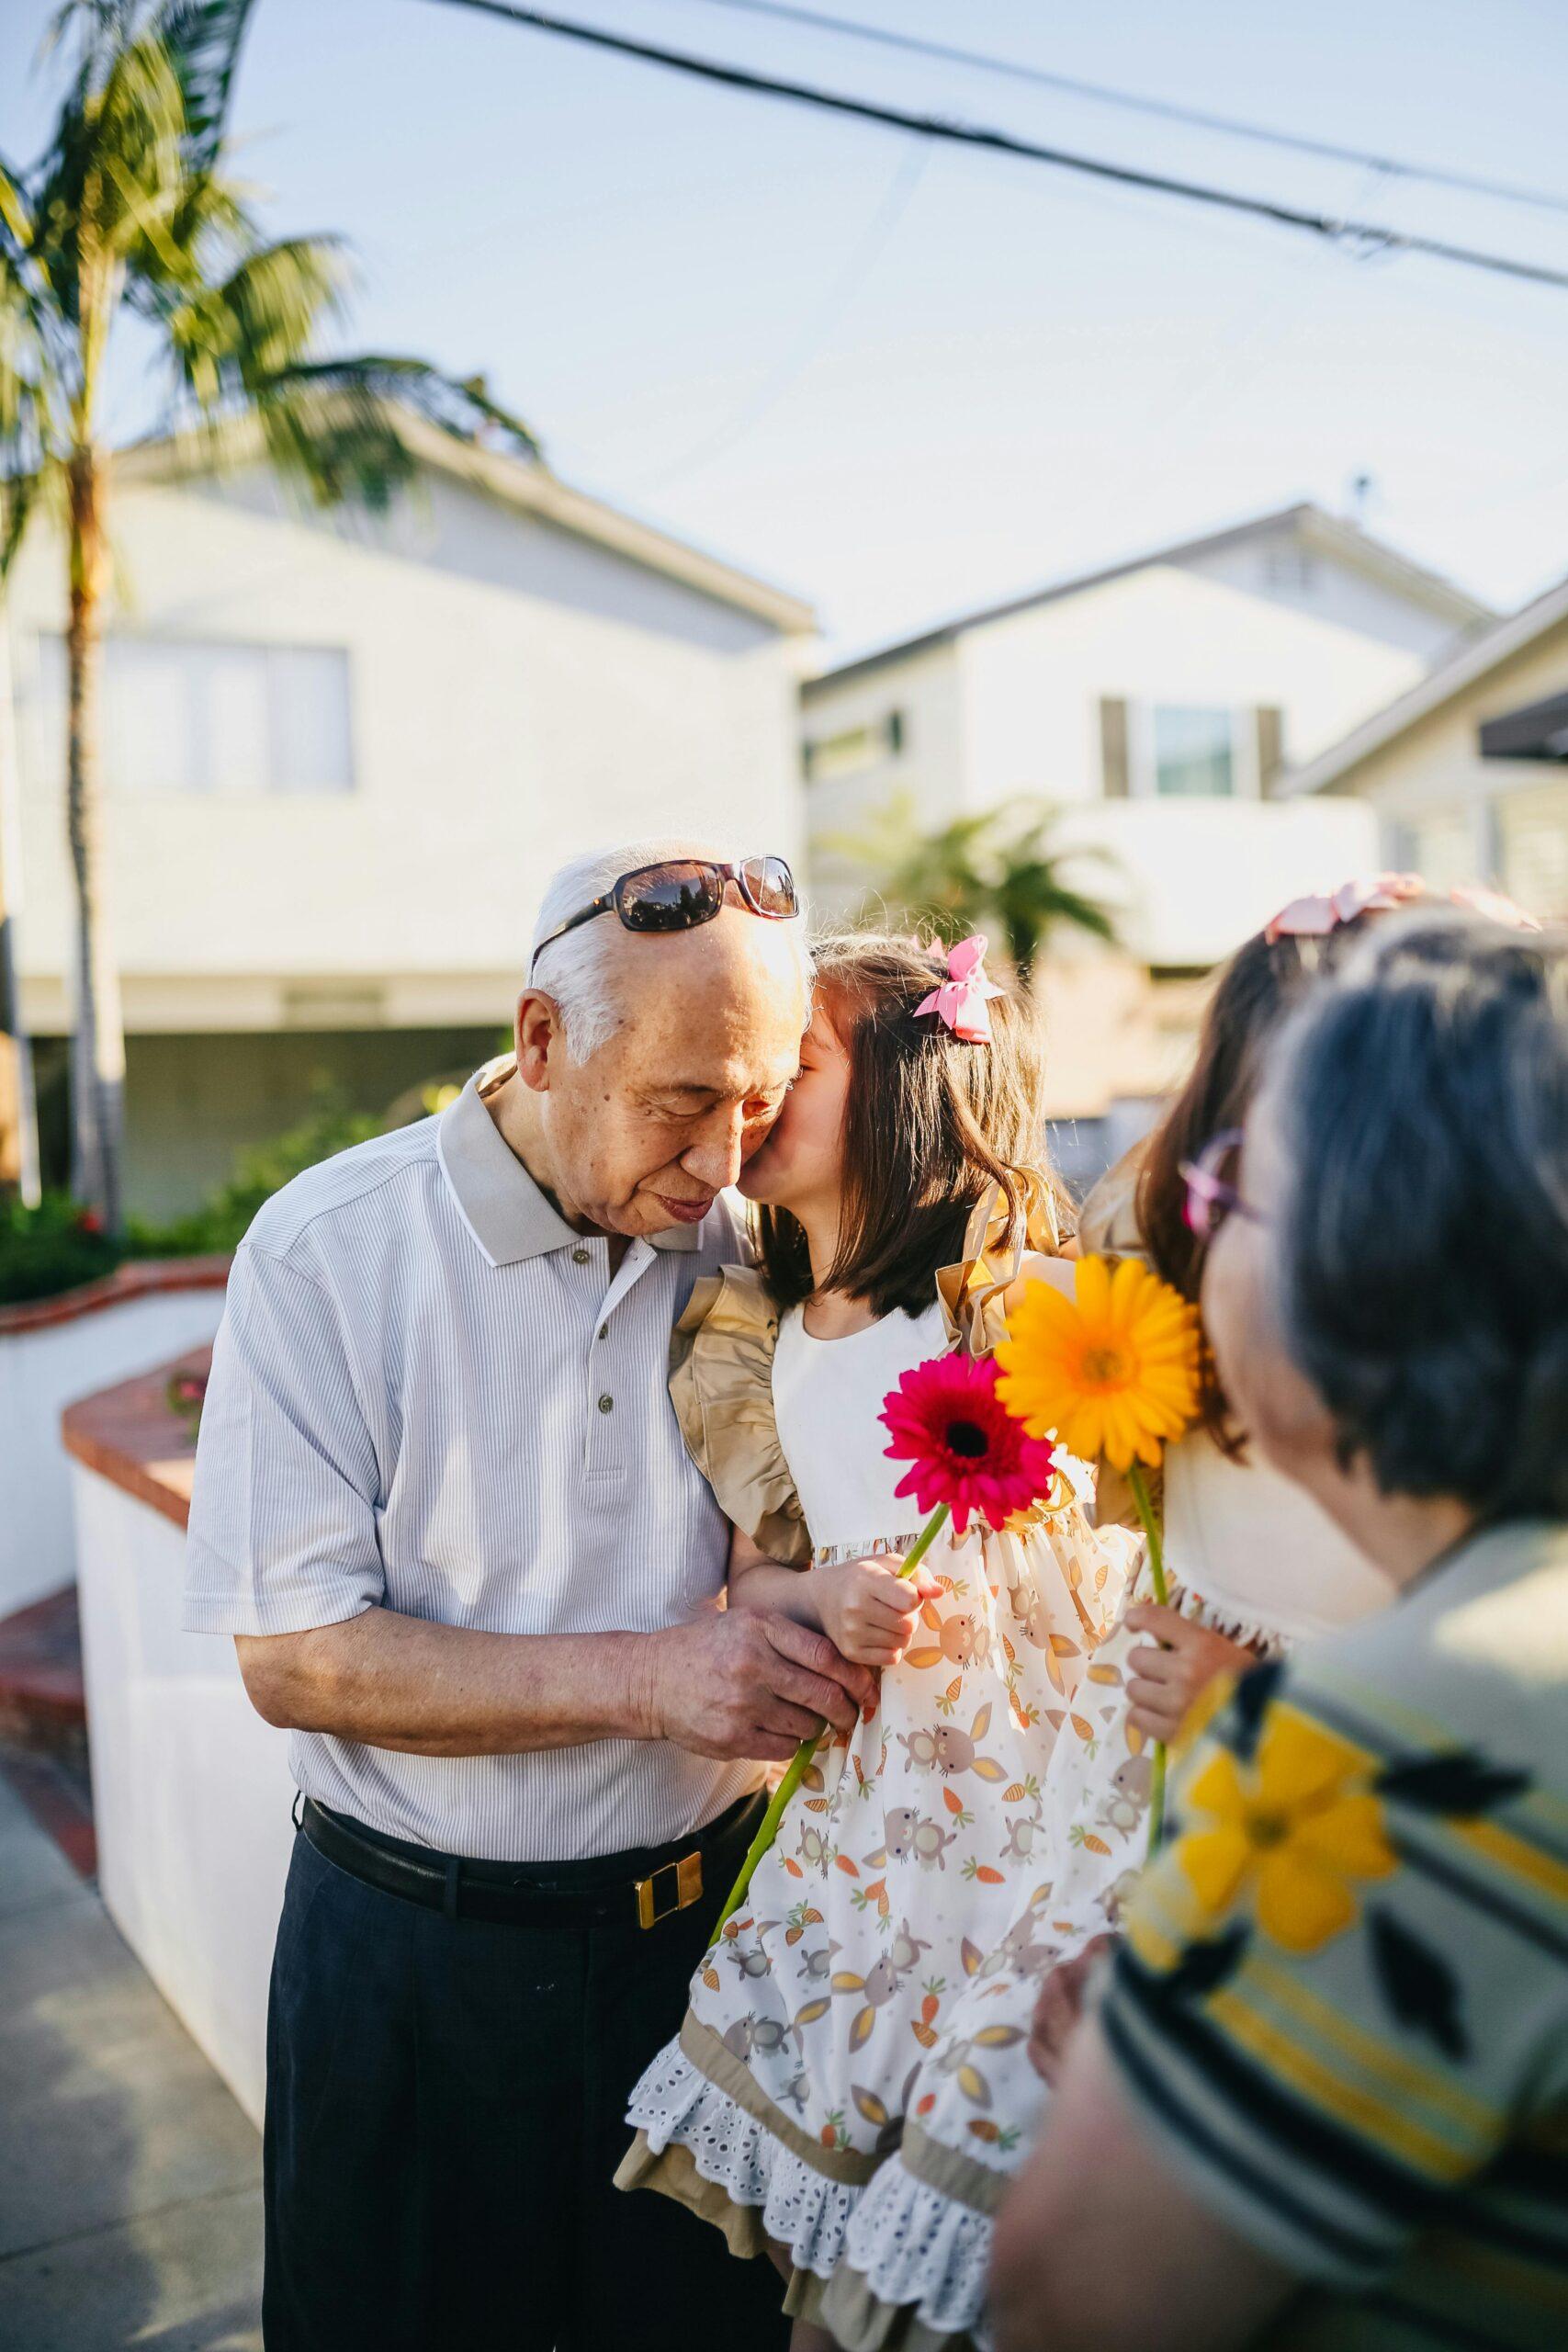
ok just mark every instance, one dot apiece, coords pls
pixel 1343 2002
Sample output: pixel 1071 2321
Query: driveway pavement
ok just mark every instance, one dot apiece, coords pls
pixel 129 2180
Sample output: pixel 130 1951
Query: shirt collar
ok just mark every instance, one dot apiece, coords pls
pixel 503 1208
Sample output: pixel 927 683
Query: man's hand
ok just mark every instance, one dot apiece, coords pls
pixel 1162 1683
pixel 867 1609
pixel 1060 2006
pixel 749 1683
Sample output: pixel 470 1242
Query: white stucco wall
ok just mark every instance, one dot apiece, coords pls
pixel 518 694
pixel 1013 708
pixel 41 1373
pixel 191 1790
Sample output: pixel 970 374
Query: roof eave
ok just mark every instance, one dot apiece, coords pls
pixel 1474 662
pixel 526 486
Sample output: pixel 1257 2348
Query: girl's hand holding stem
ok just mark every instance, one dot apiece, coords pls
pixel 866 1609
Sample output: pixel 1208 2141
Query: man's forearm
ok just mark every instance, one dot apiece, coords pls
pixel 387 1680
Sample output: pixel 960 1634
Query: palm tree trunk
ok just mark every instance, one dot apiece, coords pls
pixel 97 1052
pixel 19 1122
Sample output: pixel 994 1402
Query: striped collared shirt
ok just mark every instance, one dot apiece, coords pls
pixel 1342 2000
pixel 430 1394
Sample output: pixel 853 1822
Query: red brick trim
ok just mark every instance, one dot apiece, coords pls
pixel 129 1436
pixel 143 1278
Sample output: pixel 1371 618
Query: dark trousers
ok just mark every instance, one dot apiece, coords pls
pixel 445 2104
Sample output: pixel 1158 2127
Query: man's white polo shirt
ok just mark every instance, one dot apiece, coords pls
pixel 430 1394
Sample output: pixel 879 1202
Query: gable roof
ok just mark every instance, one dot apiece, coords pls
pixel 528 487
pixel 1325 533
pixel 1474 661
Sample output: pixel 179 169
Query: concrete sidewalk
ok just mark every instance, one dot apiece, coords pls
pixel 129 2180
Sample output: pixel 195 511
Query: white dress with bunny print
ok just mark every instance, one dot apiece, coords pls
pixel 909 1848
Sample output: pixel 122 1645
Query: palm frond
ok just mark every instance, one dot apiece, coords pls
pixel 203 38
pixel 230 337
pixel 461 406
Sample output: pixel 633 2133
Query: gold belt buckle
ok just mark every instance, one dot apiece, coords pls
pixel 688 1875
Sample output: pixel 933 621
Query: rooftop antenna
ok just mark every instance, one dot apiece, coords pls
pixel 1362 487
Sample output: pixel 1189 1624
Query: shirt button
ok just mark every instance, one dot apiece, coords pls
pixel 580 1256
pixel 603 1331
pixel 606 1404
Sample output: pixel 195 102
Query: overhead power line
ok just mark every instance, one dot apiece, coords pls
pixel 1166 111
pixel 1370 235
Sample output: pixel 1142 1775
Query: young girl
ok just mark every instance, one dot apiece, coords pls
pixel 1253 1565
pixel 902 1149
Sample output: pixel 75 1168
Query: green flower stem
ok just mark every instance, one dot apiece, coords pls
pixel 800 1762
pixel 1156 1578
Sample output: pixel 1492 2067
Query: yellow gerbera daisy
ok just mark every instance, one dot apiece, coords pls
pixel 1111 1371
pixel 1297 1827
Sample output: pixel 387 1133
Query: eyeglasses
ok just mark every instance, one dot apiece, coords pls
pixel 679 893
pixel 1212 1194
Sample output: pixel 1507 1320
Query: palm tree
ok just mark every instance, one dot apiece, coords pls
pixel 999 869
pixel 130 209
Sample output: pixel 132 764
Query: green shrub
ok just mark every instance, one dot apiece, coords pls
pixel 59 1246
pixel 328 1127
pixel 53 1248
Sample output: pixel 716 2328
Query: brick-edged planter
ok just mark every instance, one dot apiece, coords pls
pixel 54 1350
pixel 191 1790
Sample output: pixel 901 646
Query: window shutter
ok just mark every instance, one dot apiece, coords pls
pixel 1269 721
pixel 1113 747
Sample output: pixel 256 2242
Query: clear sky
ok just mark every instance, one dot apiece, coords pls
pixel 905 378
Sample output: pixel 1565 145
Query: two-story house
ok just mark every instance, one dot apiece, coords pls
pixel 341 755
pixel 1157 705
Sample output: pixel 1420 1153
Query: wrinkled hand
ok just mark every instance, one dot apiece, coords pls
pixel 746 1682
pixel 1162 1683
pixel 867 1609
pixel 1060 2006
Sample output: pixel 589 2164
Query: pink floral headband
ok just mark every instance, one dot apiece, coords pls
pixel 1313 918
pixel 962 999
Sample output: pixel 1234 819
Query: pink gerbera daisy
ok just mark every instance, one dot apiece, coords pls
pixel 965 1449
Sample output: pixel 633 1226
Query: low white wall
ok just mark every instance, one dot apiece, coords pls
pixel 191 1790
pixel 43 1371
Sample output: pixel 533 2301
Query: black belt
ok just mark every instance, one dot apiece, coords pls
pixel 647 1885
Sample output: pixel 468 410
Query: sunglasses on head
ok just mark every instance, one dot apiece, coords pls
pixel 679 893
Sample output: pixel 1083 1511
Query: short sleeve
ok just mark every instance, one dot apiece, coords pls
pixel 283 1521
pixel 721 1383
pixel 1341 1994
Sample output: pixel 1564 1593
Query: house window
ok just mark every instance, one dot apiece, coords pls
pixel 1192 752
pixel 854 748
pixel 193 716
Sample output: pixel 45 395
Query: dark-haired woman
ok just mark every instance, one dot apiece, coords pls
pixel 910 1849
pixel 1324 2099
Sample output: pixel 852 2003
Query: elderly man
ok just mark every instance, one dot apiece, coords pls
pixel 442 1503
pixel 1324 2102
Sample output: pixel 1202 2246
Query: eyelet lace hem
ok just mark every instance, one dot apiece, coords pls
pixel 800 2208
pixel 911 2246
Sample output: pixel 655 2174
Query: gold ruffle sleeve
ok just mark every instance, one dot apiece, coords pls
pixel 973 1292
pixel 721 1382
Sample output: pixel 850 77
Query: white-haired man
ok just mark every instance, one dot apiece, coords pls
pixel 442 1501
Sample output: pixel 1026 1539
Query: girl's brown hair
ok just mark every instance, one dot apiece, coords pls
pixel 1254 991
pixel 931 1124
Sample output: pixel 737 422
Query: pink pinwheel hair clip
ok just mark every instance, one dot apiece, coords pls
pixel 961 1001
pixel 1314 918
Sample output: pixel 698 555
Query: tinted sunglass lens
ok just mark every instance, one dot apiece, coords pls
pixel 772 885
pixel 670 898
